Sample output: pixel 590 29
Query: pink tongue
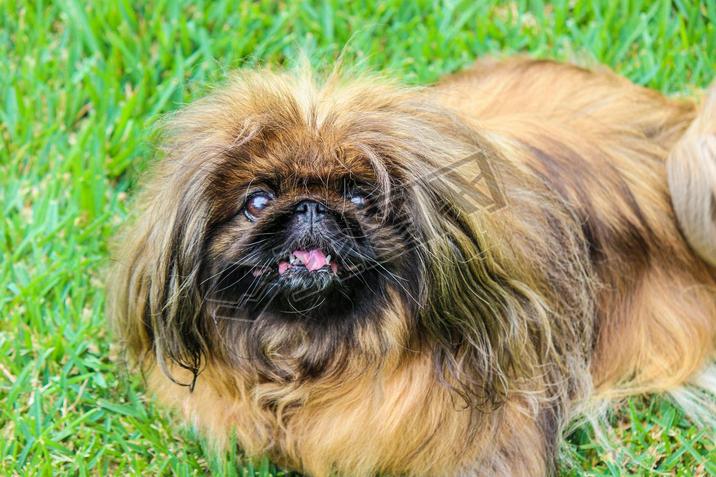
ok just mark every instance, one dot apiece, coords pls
pixel 313 259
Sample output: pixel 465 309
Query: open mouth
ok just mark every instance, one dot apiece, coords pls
pixel 313 260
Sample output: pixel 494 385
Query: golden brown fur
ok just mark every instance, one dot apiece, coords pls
pixel 583 287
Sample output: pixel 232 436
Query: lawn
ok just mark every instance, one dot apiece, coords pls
pixel 82 86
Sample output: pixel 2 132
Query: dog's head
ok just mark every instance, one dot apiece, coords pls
pixel 307 230
pixel 293 230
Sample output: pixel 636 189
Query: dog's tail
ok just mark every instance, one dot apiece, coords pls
pixel 692 180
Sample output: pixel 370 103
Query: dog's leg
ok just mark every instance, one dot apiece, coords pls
pixel 656 338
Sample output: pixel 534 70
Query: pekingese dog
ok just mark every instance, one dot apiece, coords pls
pixel 354 277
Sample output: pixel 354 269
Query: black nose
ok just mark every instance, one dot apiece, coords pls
pixel 309 212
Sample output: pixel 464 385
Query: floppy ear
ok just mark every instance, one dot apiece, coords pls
pixel 486 319
pixel 154 298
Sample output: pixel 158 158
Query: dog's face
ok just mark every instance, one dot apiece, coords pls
pixel 304 235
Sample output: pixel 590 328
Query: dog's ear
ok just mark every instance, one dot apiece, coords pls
pixel 154 298
pixel 477 314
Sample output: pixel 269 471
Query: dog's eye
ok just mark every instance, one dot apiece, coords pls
pixel 256 203
pixel 358 199
pixel 356 192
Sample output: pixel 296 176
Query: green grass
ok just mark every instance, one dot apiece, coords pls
pixel 82 84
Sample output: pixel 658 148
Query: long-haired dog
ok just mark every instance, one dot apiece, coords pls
pixel 357 278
